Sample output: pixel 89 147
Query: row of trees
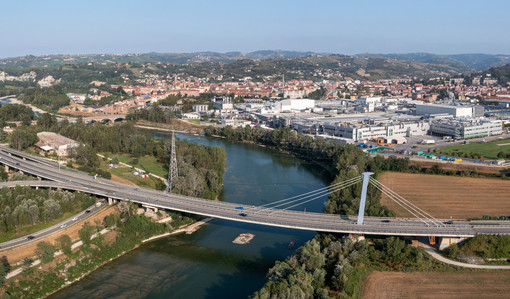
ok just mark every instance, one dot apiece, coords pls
pixel 23 206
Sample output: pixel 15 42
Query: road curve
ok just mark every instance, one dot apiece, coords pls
pixel 441 258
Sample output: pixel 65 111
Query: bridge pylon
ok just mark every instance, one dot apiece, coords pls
pixel 172 169
pixel 361 211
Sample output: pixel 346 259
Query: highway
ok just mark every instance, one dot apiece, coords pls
pixel 77 181
pixel 50 230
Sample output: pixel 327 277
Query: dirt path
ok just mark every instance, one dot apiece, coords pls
pixel 442 259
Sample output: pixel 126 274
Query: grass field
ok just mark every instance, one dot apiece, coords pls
pixel 449 196
pixel 437 285
pixel 147 163
pixel 488 150
pixel 126 176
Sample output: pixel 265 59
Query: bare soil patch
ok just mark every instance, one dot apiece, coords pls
pixel 437 285
pixel 449 196
pixel 28 250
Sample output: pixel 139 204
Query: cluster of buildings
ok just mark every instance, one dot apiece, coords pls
pixel 366 119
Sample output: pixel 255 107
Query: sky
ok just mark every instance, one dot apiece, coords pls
pixel 346 27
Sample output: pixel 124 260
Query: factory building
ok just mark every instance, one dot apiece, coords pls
pixel 455 111
pixel 466 128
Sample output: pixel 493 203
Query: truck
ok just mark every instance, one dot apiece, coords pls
pixel 428 141
pixel 458 160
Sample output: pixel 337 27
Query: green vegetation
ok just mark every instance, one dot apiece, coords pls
pixel 152 114
pixel 484 246
pixel 23 207
pixel 15 112
pixel 48 98
pixel 335 267
pixel 45 252
pixel 201 168
pixel 498 149
pixel 130 229
pixel 147 163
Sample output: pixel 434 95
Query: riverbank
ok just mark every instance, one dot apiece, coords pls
pixel 59 269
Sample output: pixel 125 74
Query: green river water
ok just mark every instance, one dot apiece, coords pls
pixel 206 264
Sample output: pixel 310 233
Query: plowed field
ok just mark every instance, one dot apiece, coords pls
pixel 437 285
pixel 448 196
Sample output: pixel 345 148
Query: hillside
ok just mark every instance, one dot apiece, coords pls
pixel 464 62
pixel 501 73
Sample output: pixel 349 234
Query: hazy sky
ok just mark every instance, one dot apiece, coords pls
pixel 347 27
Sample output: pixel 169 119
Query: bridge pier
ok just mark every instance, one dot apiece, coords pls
pixel 111 201
pixel 147 208
pixel 363 199
pixel 446 242
pixel 6 168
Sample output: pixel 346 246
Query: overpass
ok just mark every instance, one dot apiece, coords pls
pixel 263 215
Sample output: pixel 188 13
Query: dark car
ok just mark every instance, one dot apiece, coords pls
pixel 87 211
pixel 30 237
pixel 448 222
pixel 243 214
pixel 385 221
pixel 137 189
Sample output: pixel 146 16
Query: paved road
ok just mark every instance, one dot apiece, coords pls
pixel 78 181
pixel 441 258
pixel 48 231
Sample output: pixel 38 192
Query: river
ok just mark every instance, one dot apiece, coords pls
pixel 206 264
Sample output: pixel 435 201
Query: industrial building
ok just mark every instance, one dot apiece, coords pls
pixel 294 105
pixel 464 128
pixel 455 111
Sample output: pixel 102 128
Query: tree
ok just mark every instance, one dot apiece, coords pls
pixel 3 273
pixel 47 121
pixel 27 264
pixel 64 243
pixel 86 233
pixel 45 251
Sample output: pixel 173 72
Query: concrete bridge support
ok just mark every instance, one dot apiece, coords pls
pixel 6 168
pixel 361 211
pixel 147 208
pixel 111 201
pixel 445 242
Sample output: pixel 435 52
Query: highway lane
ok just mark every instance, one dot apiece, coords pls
pixel 283 218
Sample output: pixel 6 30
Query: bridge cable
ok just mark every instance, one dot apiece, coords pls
pixel 421 211
pixel 319 196
pixel 402 201
pixel 326 191
pixel 323 189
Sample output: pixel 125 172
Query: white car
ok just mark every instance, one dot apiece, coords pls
pixel 74 219
pixel 63 225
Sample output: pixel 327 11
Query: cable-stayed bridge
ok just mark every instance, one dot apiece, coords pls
pixel 280 213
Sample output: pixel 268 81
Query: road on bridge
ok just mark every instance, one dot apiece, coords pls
pixel 77 181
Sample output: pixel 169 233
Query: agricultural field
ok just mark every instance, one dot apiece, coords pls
pixel 449 196
pixel 488 150
pixel 437 285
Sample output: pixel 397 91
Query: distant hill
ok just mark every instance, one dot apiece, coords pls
pixel 178 58
pixel 464 62
pixel 259 65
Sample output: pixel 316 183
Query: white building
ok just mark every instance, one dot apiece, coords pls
pixel 294 105
pixel 466 127
pixel 455 111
